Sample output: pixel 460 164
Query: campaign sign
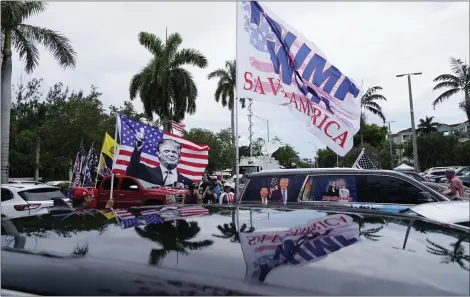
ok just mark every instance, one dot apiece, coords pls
pixel 311 242
pixel 335 188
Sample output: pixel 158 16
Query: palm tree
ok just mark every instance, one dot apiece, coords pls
pixel 458 81
pixel 164 85
pixel 369 103
pixel 172 236
pixel 229 231
pixel 427 126
pixel 455 255
pixel 225 92
pixel 25 38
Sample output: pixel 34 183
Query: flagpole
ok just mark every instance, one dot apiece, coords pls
pixel 114 162
pixel 359 157
pixel 237 84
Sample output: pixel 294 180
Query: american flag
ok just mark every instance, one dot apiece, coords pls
pixel 178 128
pixel 274 185
pixel 90 168
pixel 77 169
pixel 194 158
pixel 128 219
pixel 364 162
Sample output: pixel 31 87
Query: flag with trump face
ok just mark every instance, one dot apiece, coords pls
pixel 277 64
pixel 193 158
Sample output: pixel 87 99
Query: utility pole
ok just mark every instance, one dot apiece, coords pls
pixel 390 141
pixel 413 129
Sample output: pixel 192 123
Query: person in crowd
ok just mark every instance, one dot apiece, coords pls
pixel 191 196
pixel 218 190
pixel 227 196
pixel 455 189
pixel 83 201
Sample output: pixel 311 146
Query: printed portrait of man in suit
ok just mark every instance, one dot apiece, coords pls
pixel 264 195
pixel 169 154
pixel 281 195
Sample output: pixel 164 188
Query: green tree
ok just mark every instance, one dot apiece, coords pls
pixel 225 91
pixel 369 103
pixel 326 158
pixel 164 86
pixel 372 134
pixel 427 126
pixel 24 38
pixel 454 83
pixel 286 155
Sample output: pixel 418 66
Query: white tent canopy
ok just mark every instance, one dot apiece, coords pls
pixel 404 167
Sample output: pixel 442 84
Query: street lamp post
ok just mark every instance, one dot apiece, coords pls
pixel 413 129
pixel 390 140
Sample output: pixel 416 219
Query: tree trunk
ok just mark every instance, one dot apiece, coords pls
pixel 38 154
pixel 6 106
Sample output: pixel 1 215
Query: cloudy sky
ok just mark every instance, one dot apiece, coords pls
pixel 369 42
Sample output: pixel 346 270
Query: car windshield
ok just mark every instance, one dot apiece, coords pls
pixel 42 194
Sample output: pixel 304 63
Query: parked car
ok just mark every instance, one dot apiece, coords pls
pixel 22 200
pixel 435 175
pixel 129 191
pixel 314 184
pixel 460 171
pixel 414 175
pixel 357 253
pixel 455 212
pixel 465 179
pixel 438 187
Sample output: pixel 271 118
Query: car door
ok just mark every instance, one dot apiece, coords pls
pixel 105 191
pixel 129 193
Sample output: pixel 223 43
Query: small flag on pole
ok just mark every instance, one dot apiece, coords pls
pixel 364 162
pixel 178 128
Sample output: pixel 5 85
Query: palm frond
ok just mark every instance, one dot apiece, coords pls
pixel 191 57
pixel 447 77
pixel 151 42
pixel 218 73
pixel 55 42
pixel 444 96
pixel 15 12
pixel 27 50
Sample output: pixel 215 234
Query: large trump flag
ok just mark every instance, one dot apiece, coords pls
pixel 277 64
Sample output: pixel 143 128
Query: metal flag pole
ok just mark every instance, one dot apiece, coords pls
pixel 114 159
pixel 237 84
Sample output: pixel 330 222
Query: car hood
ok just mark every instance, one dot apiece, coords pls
pixel 394 254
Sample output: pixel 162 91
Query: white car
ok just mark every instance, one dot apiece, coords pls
pixel 452 212
pixel 22 200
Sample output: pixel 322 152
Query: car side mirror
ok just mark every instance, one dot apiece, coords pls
pixel 134 188
pixel 425 197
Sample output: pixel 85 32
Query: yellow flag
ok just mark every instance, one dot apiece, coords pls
pixel 107 155
pixel 108 146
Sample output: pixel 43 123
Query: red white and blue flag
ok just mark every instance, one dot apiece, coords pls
pixel 277 64
pixel 178 128
pixel 194 158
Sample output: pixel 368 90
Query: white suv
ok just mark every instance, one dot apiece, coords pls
pixel 22 200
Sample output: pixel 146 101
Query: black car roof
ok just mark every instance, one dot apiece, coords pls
pixel 396 254
pixel 300 171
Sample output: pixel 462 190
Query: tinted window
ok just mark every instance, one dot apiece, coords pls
pixel 415 176
pixel 127 183
pixel 6 195
pixel 41 194
pixel 466 224
pixel 107 184
pixel 270 185
pixel 386 189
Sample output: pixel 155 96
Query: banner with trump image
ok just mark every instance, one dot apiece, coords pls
pixel 157 157
pixel 277 64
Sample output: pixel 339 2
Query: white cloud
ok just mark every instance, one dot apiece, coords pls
pixel 370 42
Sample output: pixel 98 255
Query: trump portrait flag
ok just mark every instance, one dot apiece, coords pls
pixel 277 64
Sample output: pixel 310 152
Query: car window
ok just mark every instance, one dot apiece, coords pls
pixel 386 189
pixel 42 194
pixel 126 184
pixel 107 184
pixel 271 188
pixel 6 195
pixel 330 188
